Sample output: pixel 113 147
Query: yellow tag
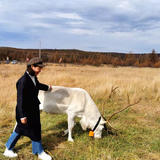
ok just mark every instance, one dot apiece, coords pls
pixel 91 133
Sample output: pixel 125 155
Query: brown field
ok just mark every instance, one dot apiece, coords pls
pixel 132 83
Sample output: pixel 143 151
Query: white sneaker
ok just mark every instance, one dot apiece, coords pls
pixel 9 153
pixel 44 156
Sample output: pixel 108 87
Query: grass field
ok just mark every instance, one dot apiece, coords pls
pixel 138 128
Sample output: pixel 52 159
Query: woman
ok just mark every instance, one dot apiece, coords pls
pixel 27 110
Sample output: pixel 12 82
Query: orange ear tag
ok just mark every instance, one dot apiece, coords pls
pixel 91 133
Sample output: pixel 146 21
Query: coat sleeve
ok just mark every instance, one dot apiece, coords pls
pixel 21 85
pixel 42 86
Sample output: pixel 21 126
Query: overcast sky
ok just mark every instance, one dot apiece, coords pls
pixel 91 25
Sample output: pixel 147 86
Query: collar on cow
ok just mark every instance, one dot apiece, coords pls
pixel 96 124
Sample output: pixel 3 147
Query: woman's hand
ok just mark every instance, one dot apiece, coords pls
pixel 24 120
pixel 50 88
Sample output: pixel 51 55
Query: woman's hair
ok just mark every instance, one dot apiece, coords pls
pixel 30 70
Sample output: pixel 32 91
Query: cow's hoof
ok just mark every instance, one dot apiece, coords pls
pixel 70 140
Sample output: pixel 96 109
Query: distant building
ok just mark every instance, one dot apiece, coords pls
pixel 7 60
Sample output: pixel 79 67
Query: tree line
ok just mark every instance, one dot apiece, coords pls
pixel 83 57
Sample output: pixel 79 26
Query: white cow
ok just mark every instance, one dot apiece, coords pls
pixel 75 102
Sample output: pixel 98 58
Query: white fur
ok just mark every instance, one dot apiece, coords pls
pixel 75 102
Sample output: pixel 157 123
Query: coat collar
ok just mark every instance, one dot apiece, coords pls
pixel 29 78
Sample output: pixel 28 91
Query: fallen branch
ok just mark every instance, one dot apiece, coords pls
pixel 107 121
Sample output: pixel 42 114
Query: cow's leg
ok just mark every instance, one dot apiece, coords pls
pixel 70 126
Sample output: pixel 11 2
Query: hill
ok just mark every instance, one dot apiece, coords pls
pixel 83 57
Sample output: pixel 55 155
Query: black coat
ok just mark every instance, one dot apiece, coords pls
pixel 28 106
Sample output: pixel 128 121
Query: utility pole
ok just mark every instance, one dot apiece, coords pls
pixel 40 49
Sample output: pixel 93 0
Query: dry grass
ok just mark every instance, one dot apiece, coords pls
pixel 135 82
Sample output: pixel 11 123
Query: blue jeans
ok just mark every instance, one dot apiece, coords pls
pixel 36 145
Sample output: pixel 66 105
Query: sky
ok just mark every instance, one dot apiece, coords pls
pixel 129 26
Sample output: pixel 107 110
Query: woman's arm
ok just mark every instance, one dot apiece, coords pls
pixel 20 98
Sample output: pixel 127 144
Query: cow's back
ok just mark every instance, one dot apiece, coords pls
pixel 63 99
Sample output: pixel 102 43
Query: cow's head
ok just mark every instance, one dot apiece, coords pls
pixel 98 131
